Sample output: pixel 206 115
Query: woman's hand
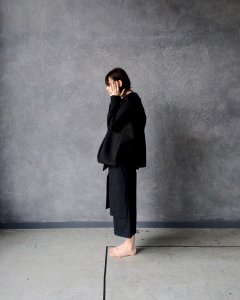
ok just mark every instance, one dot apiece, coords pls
pixel 114 89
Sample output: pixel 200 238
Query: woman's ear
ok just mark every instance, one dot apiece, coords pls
pixel 120 82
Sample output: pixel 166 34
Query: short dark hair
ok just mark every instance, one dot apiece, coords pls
pixel 119 74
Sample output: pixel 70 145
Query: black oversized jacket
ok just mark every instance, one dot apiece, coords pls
pixel 121 112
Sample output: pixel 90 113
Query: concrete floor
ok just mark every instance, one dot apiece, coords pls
pixel 71 264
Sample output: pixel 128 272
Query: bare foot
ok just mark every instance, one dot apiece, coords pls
pixel 122 245
pixel 122 250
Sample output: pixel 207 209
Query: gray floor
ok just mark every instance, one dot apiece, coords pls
pixel 73 264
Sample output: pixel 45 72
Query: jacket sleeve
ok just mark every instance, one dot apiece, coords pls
pixel 119 115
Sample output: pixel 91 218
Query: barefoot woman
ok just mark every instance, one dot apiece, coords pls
pixel 125 108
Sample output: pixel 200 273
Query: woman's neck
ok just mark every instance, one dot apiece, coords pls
pixel 127 92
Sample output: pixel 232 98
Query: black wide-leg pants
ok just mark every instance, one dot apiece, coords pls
pixel 121 197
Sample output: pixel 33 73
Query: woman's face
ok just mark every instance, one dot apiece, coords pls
pixel 108 88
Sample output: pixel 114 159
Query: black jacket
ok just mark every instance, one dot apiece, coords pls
pixel 121 112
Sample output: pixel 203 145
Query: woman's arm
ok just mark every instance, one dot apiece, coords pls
pixel 119 115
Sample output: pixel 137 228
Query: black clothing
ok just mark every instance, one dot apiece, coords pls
pixel 121 198
pixel 121 191
pixel 120 113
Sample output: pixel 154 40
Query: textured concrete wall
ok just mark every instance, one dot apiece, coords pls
pixel 183 58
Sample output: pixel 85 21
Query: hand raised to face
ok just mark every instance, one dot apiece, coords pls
pixel 114 89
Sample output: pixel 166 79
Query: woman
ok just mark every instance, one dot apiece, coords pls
pixel 125 108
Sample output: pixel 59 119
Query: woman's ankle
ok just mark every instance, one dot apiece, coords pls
pixel 130 241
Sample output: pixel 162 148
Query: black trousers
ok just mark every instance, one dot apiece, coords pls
pixel 121 199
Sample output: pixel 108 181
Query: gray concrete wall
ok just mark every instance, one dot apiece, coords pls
pixel 183 58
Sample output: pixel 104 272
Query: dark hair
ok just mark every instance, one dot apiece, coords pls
pixel 119 74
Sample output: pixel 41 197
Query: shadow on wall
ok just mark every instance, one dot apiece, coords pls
pixel 180 171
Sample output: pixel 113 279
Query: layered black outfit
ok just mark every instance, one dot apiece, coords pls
pixel 121 187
